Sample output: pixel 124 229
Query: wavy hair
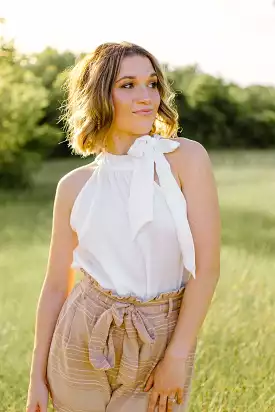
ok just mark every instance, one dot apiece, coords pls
pixel 89 111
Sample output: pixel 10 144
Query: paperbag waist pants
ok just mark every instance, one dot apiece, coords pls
pixel 104 348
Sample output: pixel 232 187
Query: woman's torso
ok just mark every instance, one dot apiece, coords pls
pixel 127 217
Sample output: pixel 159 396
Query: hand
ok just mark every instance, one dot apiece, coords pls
pixel 167 379
pixel 38 397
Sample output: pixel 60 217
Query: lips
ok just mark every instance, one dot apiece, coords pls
pixel 144 112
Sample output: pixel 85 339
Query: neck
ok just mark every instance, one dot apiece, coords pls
pixel 120 143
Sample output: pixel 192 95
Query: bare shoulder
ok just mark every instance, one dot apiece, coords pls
pixel 191 151
pixel 71 184
pixel 203 212
pixel 192 162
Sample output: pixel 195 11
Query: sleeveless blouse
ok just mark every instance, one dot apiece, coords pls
pixel 133 233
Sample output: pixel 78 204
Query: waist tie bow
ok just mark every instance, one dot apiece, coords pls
pixel 101 344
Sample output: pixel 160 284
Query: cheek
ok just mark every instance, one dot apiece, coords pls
pixel 121 102
pixel 156 99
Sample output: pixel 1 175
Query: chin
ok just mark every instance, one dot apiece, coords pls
pixel 142 130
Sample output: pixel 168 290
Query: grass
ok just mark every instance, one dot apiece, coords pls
pixel 235 366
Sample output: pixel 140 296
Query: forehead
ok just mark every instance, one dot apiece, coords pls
pixel 135 66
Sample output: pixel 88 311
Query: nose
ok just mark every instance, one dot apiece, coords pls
pixel 143 95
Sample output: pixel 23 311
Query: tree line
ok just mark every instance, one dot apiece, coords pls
pixel 216 113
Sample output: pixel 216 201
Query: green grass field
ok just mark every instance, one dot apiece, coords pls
pixel 235 367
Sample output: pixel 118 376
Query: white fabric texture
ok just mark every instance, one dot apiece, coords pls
pixel 134 235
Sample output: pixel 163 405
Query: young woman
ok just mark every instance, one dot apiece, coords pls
pixel 142 224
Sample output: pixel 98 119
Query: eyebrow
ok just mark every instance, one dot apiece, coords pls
pixel 154 74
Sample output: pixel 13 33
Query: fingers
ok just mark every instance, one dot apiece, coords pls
pixel 180 396
pixel 163 403
pixel 149 383
pixel 32 407
pixel 42 408
pixel 170 404
pixel 36 408
pixel 152 401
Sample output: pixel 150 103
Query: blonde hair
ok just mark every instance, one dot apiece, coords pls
pixel 89 111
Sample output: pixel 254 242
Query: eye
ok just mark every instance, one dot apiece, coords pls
pixel 154 84
pixel 127 86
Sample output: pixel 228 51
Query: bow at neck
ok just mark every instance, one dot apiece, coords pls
pixel 148 153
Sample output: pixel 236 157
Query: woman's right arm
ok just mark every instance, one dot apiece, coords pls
pixel 59 280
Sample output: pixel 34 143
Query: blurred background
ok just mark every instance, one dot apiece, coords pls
pixel 218 57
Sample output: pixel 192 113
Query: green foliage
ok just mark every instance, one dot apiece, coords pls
pixel 216 113
pixel 48 64
pixel 52 68
pixel 25 137
pixel 220 114
pixel 22 101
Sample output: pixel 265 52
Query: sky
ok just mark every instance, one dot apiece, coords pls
pixel 229 38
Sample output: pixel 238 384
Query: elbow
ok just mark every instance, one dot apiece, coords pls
pixel 212 272
pixel 59 285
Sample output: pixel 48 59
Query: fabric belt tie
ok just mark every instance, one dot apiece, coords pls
pixel 101 344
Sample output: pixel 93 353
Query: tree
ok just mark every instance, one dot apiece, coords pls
pixel 23 100
pixel 51 67
pixel 220 114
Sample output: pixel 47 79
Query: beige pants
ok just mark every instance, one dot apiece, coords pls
pixel 104 348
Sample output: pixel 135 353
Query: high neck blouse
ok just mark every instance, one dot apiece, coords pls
pixel 133 233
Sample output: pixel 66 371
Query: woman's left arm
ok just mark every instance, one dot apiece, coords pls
pixel 199 188
pixel 200 191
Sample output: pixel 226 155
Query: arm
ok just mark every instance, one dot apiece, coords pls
pixel 58 281
pixel 204 218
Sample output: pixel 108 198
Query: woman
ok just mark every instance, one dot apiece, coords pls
pixel 142 223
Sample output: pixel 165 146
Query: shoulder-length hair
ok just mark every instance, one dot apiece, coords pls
pixel 89 110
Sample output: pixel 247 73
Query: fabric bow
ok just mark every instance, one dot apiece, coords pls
pixel 101 342
pixel 148 152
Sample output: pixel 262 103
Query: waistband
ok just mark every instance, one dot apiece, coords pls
pixel 128 312
pixel 172 299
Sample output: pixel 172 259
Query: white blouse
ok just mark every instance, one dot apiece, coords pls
pixel 134 236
